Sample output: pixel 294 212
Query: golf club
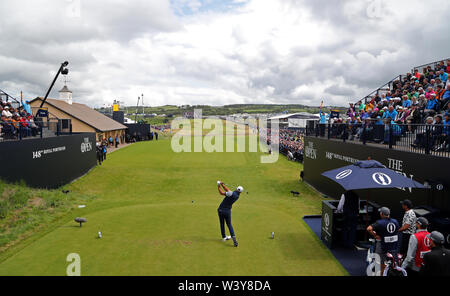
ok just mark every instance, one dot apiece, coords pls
pixel 232 186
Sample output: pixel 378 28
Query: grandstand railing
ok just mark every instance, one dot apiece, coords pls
pixel 45 128
pixel 387 86
pixel 418 138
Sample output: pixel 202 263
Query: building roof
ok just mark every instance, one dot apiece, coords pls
pixel 65 89
pixel 86 114
pixel 301 115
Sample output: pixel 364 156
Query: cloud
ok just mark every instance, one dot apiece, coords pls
pixel 217 52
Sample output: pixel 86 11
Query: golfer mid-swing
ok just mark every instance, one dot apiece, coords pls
pixel 224 210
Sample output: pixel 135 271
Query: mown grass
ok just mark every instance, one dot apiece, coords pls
pixel 157 210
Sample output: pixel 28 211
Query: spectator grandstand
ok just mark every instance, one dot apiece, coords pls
pixel 17 121
pixel 410 112
pixel 290 142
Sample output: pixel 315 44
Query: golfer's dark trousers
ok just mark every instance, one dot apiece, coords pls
pixel 225 216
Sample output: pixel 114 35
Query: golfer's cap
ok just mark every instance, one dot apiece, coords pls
pixel 407 203
pixel 422 221
pixel 385 211
pixel 240 189
pixel 437 237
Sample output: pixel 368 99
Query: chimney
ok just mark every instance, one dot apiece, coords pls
pixel 66 95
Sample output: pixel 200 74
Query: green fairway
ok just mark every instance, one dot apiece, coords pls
pixel 157 211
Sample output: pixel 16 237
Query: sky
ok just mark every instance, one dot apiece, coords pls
pixel 217 52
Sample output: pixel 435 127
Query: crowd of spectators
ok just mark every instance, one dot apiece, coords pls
pixel 16 122
pixel 416 100
pixel 290 142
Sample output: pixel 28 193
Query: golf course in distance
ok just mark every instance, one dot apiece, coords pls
pixel 157 212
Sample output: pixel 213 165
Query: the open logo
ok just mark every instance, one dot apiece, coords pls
pixel 343 174
pixel 382 179
pixel 326 219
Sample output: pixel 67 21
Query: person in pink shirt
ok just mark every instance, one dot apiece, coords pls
pixel 429 92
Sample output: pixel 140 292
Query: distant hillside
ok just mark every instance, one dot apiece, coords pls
pixel 227 109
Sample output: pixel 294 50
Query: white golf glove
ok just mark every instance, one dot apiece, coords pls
pixel 218 183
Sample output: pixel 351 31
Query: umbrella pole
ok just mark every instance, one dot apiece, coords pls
pixel 367 213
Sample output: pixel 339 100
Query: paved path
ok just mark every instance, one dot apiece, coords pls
pixel 113 148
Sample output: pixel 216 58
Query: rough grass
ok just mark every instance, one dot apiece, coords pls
pixel 157 211
pixel 24 210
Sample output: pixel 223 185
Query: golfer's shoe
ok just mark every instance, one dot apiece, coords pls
pixel 235 241
pixel 226 238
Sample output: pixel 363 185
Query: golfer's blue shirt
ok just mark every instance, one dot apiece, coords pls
pixel 230 198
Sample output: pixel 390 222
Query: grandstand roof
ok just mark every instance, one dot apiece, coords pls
pixel 85 114
pixel 302 115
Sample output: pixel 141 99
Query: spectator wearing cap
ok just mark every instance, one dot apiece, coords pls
pixel 390 113
pixel 437 261
pixel 6 112
pixel 385 231
pixel 408 225
pixel 418 246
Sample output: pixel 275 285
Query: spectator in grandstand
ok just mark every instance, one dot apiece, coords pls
pixel 432 106
pixel 408 225
pixel 447 123
pixel 413 118
pixel 402 113
pixel 27 107
pixel 446 96
pixel 7 127
pixel 437 261
pixel 440 93
pixel 406 102
pixel 390 113
pixel 446 133
pixel 25 130
pixel 418 245
pixel 6 112
pixel 421 138
pixel 443 76
pixel 438 136
pixel 429 92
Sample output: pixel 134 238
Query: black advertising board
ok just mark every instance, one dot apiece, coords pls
pixel 47 162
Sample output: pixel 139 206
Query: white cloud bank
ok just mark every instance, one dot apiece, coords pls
pixel 278 51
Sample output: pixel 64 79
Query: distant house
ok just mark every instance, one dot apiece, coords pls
pixel 295 120
pixel 83 118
